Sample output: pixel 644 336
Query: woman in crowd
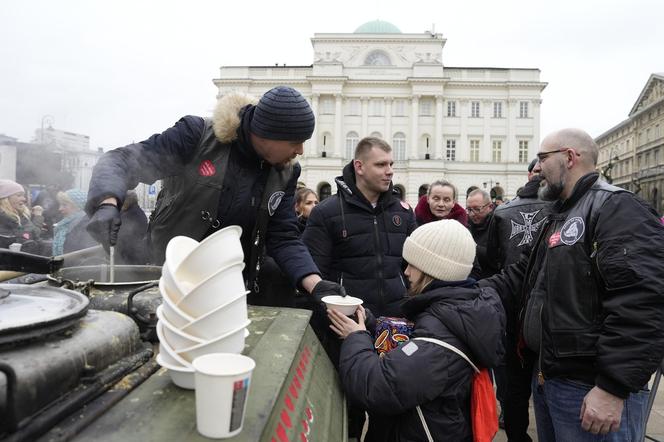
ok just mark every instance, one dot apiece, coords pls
pixel 440 202
pixel 69 234
pixel 444 304
pixel 15 223
pixel 305 200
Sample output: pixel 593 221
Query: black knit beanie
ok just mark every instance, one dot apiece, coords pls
pixel 283 114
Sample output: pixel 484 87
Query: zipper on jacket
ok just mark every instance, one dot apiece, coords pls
pixel 402 281
pixel 540 374
pixel 379 261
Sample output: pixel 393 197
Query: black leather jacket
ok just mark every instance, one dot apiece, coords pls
pixel 593 289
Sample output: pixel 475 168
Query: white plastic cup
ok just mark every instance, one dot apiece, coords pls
pixel 222 389
pixel 15 246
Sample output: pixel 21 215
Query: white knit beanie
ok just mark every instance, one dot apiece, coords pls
pixel 444 249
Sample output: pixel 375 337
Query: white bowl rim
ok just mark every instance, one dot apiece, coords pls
pixel 168 349
pixel 200 318
pixel 166 365
pixel 225 230
pixel 205 281
pixel 173 305
pixel 190 240
pixel 354 301
pixel 174 329
pixel 218 338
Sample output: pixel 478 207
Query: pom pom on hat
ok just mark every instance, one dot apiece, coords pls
pixel 283 114
pixel 443 249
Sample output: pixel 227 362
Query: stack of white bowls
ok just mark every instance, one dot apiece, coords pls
pixel 204 308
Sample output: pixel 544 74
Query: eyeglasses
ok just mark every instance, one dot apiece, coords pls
pixel 476 210
pixel 541 156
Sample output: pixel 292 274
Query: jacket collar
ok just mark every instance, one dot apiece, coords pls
pixel 530 189
pixel 580 188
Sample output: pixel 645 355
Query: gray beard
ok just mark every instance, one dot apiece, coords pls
pixel 551 192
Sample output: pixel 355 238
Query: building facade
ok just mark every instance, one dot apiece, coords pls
pixel 631 153
pixel 471 126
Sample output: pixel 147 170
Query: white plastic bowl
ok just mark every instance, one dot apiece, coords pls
pixel 177 249
pixel 167 353
pixel 226 284
pixel 172 312
pixel 231 342
pixel 223 319
pixel 177 289
pixel 221 249
pixel 175 337
pixel 344 304
pixel 183 377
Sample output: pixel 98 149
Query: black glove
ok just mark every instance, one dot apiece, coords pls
pixel 105 224
pixel 327 288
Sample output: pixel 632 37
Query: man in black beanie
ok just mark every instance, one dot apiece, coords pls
pixel 235 168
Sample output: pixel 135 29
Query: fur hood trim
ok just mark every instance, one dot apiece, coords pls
pixel 226 116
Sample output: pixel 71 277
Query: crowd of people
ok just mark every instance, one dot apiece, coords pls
pixel 560 291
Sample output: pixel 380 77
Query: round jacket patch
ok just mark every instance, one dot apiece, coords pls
pixel 572 230
pixel 396 220
pixel 206 168
pixel 274 201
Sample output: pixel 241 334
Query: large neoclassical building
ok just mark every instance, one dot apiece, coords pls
pixel 470 125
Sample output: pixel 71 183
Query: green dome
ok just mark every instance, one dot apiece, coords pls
pixel 377 27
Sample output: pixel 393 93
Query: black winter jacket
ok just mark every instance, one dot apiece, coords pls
pixel 359 246
pixel 170 154
pixel 481 268
pixel 423 373
pixel 593 289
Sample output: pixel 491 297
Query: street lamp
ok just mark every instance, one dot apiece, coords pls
pixel 50 119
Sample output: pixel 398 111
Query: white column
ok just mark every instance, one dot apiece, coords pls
pixel 534 144
pixel 338 115
pixel 487 112
pixel 512 112
pixel 414 126
pixel 438 135
pixel 365 117
pixel 387 135
pixel 313 142
pixel 463 115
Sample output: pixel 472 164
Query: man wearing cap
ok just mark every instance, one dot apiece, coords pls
pixel 235 168
pixel 511 232
pixel 591 299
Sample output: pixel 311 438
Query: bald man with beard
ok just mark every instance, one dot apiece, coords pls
pixel 591 299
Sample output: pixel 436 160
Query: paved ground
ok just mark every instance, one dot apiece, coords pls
pixel 654 432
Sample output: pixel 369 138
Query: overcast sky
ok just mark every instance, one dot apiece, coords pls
pixel 122 70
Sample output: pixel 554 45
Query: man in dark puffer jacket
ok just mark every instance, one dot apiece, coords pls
pixel 356 236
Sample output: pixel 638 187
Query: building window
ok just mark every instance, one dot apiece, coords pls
pixel 376 135
pixel 399 108
pixel 399 146
pixel 475 150
pixel 497 109
pixel 450 151
pixel 523 151
pixel 451 108
pixel 352 138
pixel 376 108
pixel 327 106
pixel 647 160
pixel 475 109
pixel 496 151
pixel 523 109
pixel 353 107
pixel 426 107
pixel 656 157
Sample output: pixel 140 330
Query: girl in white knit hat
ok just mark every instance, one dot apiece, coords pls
pixel 421 390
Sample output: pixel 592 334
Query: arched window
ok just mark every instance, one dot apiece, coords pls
pixel 399 146
pixel 324 191
pixel 352 138
pixel 377 58
pixel 377 135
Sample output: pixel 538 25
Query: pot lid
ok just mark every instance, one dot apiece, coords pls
pixel 28 312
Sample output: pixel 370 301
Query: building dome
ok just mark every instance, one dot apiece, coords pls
pixel 377 27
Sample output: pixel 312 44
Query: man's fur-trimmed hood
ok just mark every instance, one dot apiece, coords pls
pixel 226 115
